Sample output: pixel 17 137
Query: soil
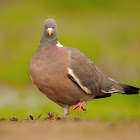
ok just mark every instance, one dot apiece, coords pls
pixel 73 129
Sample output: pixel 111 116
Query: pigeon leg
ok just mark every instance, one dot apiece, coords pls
pixel 80 105
pixel 66 110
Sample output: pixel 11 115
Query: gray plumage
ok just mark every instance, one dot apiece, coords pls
pixel 66 75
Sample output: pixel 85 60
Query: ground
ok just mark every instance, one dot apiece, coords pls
pixel 68 129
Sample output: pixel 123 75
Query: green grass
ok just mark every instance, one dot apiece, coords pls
pixel 117 107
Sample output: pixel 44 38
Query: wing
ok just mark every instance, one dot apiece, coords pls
pixel 87 76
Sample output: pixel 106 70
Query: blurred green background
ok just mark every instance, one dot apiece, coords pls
pixel 107 31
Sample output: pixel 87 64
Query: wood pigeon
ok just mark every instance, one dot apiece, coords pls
pixel 67 76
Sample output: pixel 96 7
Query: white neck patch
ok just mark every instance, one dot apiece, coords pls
pixel 59 45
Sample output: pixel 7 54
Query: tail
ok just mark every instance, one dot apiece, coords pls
pixel 129 89
pixel 121 88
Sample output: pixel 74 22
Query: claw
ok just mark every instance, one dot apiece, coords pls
pixel 84 109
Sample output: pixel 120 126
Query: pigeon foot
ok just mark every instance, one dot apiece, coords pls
pixel 80 105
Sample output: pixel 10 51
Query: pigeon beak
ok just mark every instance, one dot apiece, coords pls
pixel 49 30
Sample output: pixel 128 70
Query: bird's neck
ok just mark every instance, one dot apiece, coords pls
pixel 48 41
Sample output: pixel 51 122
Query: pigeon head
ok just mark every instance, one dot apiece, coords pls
pixel 50 28
pixel 50 32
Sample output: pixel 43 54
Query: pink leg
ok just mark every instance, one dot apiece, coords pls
pixel 80 105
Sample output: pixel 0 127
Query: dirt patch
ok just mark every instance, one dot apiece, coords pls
pixel 54 127
pixel 69 129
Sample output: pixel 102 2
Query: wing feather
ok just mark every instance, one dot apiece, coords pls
pixel 87 76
